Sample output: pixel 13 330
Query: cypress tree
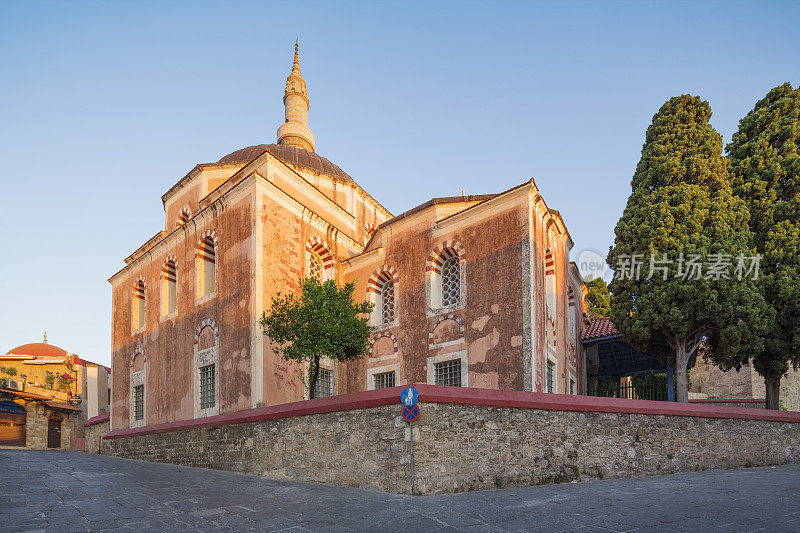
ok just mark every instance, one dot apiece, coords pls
pixel 765 165
pixel 682 213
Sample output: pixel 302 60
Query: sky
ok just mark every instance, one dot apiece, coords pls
pixel 104 106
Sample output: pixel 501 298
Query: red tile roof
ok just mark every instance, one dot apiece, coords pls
pixel 598 328
pixel 39 349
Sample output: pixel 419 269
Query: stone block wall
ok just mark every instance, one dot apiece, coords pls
pixel 36 425
pixel 94 430
pixel 469 439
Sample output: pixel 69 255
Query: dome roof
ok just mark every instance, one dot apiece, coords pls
pixel 38 349
pixel 291 155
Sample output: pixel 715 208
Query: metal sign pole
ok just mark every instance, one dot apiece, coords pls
pixel 411 427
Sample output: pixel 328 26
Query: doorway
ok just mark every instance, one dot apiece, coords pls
pixel 53 433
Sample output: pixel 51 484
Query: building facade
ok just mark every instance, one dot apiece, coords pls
pixel 470 290
pixel 46 395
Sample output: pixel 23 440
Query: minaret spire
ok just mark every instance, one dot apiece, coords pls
pixel 294 131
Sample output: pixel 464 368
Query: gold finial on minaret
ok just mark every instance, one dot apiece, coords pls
pixel 294 131
pixel 44 340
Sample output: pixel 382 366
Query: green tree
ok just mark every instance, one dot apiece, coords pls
pixel 598 297
pixel 765 165
pixel 682 213
pixel 323 321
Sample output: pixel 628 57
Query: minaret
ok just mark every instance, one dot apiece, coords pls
pixel 294 131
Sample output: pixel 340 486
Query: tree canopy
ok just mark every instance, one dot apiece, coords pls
pixel 598 297
pixel 765 165
pixel 322 322
pixel 678 244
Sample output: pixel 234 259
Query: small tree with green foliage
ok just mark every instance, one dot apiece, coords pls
pixel 765 164
pixel 323 321
pixel 598 297
pixel 681 208
pixel 10 370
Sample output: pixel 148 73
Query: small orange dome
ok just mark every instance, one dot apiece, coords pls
pixel 38 349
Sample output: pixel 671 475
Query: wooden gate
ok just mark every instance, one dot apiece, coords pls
pixel 54 431
pixel 12 424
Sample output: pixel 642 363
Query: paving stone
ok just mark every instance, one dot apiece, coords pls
pixel 108 494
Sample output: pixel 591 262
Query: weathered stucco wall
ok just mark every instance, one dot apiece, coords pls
pixel 167 343
pixel 469 439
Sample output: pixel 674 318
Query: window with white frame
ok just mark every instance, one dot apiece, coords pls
pixel 208 378
pixel 551 376
pixel 138 306
pixel 448 373
pixel 324 385
pixel 383 380
pixel 169 288
pixel 445 282
pixel 138 402
pixel 206 266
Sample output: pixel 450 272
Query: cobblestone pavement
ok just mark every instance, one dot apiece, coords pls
pixel 76 491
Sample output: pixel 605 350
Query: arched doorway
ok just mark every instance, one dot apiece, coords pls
pixel 54 430
pixel 12 424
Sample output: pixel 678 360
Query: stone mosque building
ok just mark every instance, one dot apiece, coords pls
pixel 474 291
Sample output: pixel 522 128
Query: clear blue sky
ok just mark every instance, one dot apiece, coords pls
pixel 104 106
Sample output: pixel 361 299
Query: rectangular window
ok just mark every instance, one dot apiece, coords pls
pixel 448 373
pixel 572 386
pixel 207 381
pixel 551 376
pixel 138 402
pixel 384 380
pixel 324 385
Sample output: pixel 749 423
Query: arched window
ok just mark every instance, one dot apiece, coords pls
pixel 206 267
pixel 137 392
pixel 446 274
pixel 451 282
pixel 319 261
pixel 387 302
pixel 382 291
pixel 315 267
pixel 550 284
pixel 169 290
pixel 550 299
pixel 138 305
pixel 184 217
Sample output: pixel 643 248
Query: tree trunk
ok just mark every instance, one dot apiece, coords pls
pixel 681 362
pixel 312 385
pixel 773 386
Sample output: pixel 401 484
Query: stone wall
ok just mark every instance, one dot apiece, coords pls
pixel 469 439
pixel 36 425
pixel 94 430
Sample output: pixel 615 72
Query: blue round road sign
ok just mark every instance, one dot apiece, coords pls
pixel 410 413
pixel 409 397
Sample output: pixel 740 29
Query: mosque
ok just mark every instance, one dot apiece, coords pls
pixel 469 291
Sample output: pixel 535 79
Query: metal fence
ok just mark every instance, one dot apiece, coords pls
pixel 656 391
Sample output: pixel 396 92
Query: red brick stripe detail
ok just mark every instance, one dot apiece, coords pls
pixel 315 244
pixel 465 396
pixel 169 270
pixel 549 263
pixel 138 289
pixel 442 252
pixel 380 277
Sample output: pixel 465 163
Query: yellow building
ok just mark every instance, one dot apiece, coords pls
pixel 46 395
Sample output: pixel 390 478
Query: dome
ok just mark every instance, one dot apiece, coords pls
pixel 291 155
pixel 38 349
